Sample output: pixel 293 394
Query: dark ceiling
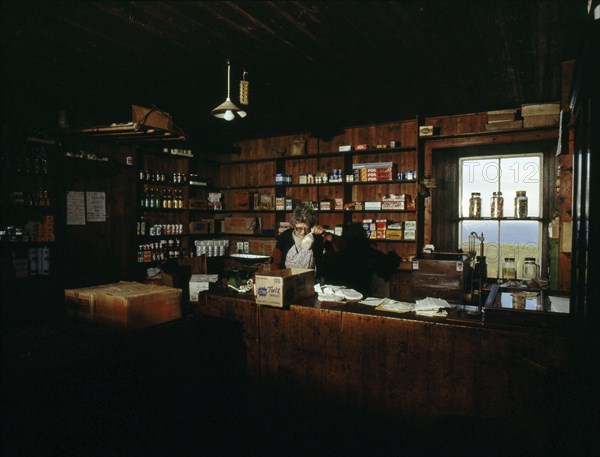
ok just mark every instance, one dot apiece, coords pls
pixel 312 65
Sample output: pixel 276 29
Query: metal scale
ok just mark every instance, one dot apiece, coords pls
pixel 479 271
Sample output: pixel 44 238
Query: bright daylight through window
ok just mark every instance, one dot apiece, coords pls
pixel 510 223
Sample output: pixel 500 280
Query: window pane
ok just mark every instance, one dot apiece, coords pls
pixel 521 173
pixel 479 175
pixel 520 239
pixel 489 229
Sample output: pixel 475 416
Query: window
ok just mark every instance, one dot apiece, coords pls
pixel 506 236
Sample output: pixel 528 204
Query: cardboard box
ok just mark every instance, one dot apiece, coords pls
pixel 241 225
pixel 280 288
pixel 79 303
pixel 127 305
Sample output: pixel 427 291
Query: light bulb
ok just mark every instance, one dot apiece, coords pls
pixel 229 115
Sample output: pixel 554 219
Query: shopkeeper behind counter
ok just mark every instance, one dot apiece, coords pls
pixel 301 246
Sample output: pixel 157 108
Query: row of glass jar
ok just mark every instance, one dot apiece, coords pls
pixel 497 205
pixel 509 269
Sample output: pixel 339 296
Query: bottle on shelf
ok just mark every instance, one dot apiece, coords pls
pixel 509 269
pixel 475 205
pixel 521 204
pixel 497 205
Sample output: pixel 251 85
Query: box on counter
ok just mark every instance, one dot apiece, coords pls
pixel 345 148
pixel 409 234
pixel 127 305
pixel 242 225
pixel 199 283
pixel 200 227
pixel 280 288
pixel 362 147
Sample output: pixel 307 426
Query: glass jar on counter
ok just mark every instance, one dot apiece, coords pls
pixel 530 268
pixel 475 205
pixel 509 269
pixel 521 203
pixel 497 205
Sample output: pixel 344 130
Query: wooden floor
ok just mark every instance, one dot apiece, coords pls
pixel 180 389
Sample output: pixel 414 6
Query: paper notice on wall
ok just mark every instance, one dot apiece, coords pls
pixel 96 206
pixel 565 244
pixel 75 208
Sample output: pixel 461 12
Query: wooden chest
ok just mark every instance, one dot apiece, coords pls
pixel 447 279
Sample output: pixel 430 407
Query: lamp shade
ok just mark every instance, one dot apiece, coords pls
pixel 228 110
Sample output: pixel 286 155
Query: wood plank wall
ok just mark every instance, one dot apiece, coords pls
pixel 262 173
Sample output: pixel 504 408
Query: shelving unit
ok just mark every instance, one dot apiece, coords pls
pixel 258 175
pixel 30 205
pixel 162 206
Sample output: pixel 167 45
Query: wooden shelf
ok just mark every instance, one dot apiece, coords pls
pixel 128 132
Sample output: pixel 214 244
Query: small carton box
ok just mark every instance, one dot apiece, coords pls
pixel 280 203
pixel 409 234
pixel 325 205
pixel 338 204
pixel 393 234
pixel 242 200
pixel 198 203
pixel 264 201
pixel 200 227
pixel 241 225
pixel 280 288
pixel 410 225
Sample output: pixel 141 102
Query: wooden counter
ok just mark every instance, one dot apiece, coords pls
pixel 418 368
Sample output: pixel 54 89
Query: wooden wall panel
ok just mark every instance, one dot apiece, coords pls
pixel 243 311
pixel 411 369
pixel 457 124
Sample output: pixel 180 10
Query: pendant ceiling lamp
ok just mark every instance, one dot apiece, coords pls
pixel 228 110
